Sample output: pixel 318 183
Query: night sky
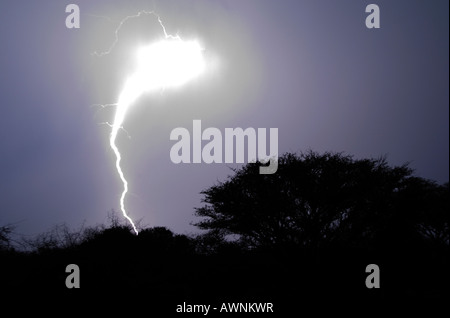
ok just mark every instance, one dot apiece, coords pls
pixel 309 68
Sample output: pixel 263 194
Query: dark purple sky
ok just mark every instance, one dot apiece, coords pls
pixel 309 68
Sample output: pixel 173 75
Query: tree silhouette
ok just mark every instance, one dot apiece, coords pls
pixel 322 200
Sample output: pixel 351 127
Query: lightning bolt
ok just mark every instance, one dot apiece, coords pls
pixel 167 63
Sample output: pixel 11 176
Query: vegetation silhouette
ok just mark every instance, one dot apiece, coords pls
pixel 330 215
pixel 305 233
pixel 327 200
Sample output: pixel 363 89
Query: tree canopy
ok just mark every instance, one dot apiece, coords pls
pixel 324 200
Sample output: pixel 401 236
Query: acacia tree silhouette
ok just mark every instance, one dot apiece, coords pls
pixel 322 200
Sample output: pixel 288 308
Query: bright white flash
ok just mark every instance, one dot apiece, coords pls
pixel 170 62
